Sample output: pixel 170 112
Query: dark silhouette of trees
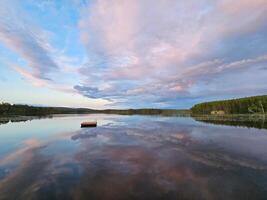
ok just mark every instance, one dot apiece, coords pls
pixel 247 105
pixel 7 109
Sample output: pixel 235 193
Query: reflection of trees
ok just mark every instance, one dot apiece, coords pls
pixel 250 121
pixel 5 120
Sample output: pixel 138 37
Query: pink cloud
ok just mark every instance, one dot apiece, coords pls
pixel 170 43
pixel 30 77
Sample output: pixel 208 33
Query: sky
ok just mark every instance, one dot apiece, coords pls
pixel 131 53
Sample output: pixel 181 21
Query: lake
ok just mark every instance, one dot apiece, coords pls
pixel 131 157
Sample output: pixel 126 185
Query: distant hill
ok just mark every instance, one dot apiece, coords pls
pixel 148 111
pixel 247 105
pixel 7 109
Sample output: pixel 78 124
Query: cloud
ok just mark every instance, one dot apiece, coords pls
pixel 28 145
pixel 35 81
pixel 249 15
pixel 88 91
pixel 46 65
pixel 26 40
pixel 165 52
pixel 140 53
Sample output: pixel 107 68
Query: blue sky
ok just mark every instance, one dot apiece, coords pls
pixel 131 53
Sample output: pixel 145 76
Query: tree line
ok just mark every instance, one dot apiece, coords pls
pixel 148 111
pixel 7 109
pixel 247 105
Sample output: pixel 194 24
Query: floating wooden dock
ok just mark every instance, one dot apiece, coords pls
pixel 88 124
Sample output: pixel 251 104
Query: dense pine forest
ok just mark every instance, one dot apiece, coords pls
pixel 247 105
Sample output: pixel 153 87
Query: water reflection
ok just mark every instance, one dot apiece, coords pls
pixel 249 121
pixel 133 157
pixel 5 120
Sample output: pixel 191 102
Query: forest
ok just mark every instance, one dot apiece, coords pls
pixel 7 109
pixel 148 111
pixel 247 105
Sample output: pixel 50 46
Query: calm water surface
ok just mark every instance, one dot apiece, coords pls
pixel 131 157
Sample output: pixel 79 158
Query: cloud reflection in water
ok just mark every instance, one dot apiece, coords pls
pixel 141 157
